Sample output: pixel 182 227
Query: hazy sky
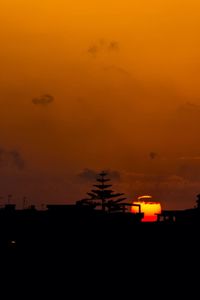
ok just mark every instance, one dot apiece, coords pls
pixel 92 85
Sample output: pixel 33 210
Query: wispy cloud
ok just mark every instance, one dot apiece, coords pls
pixel 87 175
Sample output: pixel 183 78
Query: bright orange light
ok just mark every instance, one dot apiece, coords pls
pixel 145 197
pixel 148 207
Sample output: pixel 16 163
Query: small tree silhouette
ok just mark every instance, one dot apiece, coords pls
pixel 103 196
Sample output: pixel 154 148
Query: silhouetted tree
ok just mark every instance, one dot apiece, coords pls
pixel 103 196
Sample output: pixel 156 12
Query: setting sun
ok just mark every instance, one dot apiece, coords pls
pixel 148 207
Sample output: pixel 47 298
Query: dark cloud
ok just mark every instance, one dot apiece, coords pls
pixel 102 46
pixel 93 50
pixel 43 100
pixel 113 46
pixel 11 158
pixel 153 155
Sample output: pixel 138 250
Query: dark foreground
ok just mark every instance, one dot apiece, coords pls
pixel 56 257
pixel 88 238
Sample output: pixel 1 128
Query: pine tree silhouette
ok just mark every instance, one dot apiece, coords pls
pixel 103 196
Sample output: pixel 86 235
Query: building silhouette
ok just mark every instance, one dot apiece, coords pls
pixel 189 216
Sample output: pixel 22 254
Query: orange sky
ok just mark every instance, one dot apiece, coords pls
pixel 124 77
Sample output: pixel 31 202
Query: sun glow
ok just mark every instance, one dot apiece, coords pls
pixel 149 207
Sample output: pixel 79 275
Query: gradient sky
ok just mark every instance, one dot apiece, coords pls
pixel 123 80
